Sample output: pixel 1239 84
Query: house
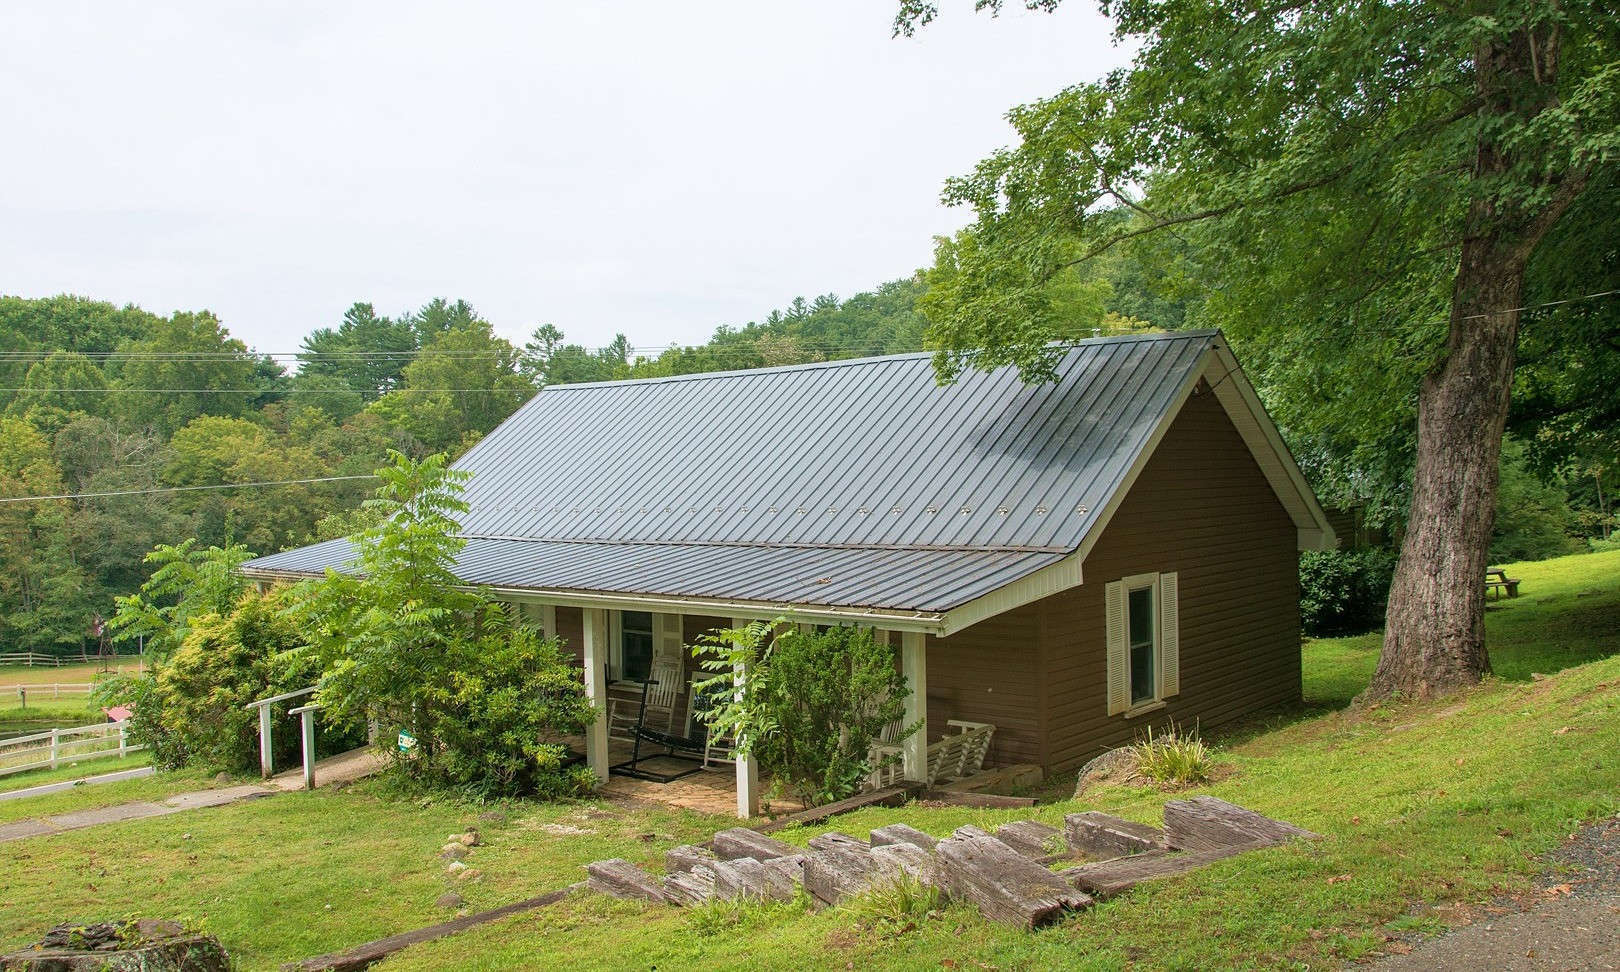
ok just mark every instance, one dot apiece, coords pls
pixel 1069 562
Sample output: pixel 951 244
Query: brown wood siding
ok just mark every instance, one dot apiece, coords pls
pixel 990 673
pixel 571 629
pixel 1202 508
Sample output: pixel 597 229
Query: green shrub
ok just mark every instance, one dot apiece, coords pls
pixel 191 708
pixel 1600 545
pixel 1173 757
pixel 403 644
pixel 812 705
pixel 1343 591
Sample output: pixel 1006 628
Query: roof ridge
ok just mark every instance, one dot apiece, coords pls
pixel 871 360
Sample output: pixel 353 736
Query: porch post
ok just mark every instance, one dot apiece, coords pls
pixel 747 766
pixel 914 666
pixel 596 655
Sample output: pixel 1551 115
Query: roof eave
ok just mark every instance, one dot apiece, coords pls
pixel 892 619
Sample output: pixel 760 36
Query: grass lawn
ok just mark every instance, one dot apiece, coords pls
pixel 43 675
pixel 72 771
pixel 1427 810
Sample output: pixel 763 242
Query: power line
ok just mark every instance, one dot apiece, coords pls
pixel 263 391
pixel 181 489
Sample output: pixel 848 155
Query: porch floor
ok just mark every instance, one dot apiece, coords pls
pixel 706 791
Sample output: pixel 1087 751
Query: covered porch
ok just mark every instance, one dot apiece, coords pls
pixel 620 649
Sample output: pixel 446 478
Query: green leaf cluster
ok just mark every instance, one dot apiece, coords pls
pixel 808 705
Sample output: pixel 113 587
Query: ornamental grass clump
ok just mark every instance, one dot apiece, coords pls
pixel 1173 757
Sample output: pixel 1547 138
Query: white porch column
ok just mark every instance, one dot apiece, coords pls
pixel 596 655
pixel 747 766
pixel 914 666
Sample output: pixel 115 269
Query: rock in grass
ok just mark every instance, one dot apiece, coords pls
pixel 449 901
pixel 453 851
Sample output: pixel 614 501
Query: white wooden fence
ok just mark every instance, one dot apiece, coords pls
pixel 48 749
pixel 34 658
pixel 44 690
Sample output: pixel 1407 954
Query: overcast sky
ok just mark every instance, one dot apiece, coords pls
pixel 655 168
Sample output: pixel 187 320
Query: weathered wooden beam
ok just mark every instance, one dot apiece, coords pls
pixel 1108 878
pixel 999 778
pixel 687 856
pixel 362 956
pixel 918 862
pixel 889 796
pixel 834 874
pixel 621 879
pixel 990 801
pixel 1102 835
pixel 969 830
pixel 833 838
pixel 1005 885
pixel 1030 838
pixel 742 842
pixel 690 887
pixel 1207 823
pixel 746 878
pixel 787 870
pixel 899 833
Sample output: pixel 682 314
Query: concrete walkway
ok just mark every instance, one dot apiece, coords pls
pixel 342 768
pixel 60 785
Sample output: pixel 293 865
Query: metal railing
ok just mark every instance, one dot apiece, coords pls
pixel 47 750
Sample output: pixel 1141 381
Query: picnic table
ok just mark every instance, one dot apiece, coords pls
pixel 1497 582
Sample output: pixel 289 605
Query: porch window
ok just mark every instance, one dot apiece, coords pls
pixel 1143 619
pixel 634 646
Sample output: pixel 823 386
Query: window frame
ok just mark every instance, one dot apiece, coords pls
pixel 616 645
pixel 1128 585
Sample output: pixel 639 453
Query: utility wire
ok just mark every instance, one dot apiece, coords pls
pixel 181 489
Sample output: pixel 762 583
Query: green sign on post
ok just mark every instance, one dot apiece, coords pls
pixel 407 742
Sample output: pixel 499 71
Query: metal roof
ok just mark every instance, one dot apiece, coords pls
pixel 845 483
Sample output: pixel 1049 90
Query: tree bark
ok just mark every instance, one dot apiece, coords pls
pixel 1434 635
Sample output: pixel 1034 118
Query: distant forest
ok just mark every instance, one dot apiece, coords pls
pixel 96 398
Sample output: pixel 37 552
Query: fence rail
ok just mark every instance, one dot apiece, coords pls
pixel 44 690
pixel 48 749
pixel 33 659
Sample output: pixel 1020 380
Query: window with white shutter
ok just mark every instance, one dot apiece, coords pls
pixel 1143 640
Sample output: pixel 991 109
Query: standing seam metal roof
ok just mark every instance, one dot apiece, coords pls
pixel 846 483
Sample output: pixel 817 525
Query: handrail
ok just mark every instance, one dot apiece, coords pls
pixel 280 698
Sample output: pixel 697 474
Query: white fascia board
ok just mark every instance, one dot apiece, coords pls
pixel 1271 453
pixel 925 621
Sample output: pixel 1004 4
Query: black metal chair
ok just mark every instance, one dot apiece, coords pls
pixel 673 746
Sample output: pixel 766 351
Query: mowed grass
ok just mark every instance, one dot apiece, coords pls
pixel 1567 613
pixel 77 769
pixel 1425 810
pixel 79 672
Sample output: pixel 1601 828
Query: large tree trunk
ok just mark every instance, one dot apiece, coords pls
pixel 1434 635
pixel 1434 638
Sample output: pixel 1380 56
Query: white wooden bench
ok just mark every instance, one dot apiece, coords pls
pixel 960 752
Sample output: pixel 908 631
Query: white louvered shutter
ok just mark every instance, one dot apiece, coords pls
pixel 667 648
pixel 1169 637
pixel 1119 663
